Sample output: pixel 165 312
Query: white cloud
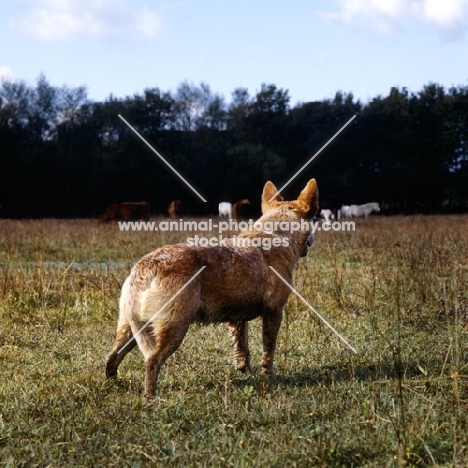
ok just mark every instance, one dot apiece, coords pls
pixel 55 20
pixel 148 22
pixel 449 15
pixel 6 73
pixel 388 16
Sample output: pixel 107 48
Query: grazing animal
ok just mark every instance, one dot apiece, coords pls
pixel 363 211
pixel 225 210
pixel 359 211
pixel 116 211
pixel 237 209
pixel 175 209
pixel 345 212
pixel 327 215
pixel 235 286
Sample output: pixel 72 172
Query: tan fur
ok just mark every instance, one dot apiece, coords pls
pixel 236 286
pixel 237 209
pixel 175 209
pixel 136 210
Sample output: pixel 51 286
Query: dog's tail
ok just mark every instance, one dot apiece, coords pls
pixel 132 303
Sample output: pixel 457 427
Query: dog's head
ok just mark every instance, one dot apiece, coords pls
pixel 305 206
pixel 274 207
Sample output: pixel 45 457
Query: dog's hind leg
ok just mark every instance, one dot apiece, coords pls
pixel 124 341
pixel 123 344
pixel 167 338
pixel 270 327
pixel 239 333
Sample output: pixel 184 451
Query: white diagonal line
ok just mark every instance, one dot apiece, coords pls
pixel 162 308
pixel 313 310
pixel 313 157
pixel 161 157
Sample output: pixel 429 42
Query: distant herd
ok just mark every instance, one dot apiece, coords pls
pixel 350 211
pixel 141 210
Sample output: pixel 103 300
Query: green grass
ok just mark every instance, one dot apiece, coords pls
pixel 396 289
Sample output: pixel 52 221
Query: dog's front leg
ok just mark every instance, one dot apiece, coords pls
pixel 271 325
pixel 239 332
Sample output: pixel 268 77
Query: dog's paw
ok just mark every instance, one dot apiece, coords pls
pixel 268 372
pixel 245 368
pixel 111 373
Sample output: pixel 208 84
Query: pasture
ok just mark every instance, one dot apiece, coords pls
pixel 396 289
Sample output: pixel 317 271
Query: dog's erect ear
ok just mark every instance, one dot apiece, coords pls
pixel 308 199
pixel 270 191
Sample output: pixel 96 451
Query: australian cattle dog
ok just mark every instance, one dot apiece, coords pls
pixel 236 285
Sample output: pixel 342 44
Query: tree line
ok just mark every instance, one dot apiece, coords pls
pixel 63 155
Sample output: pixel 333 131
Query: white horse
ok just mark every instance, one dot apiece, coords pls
pixel 345 212
pixel 327 215
pixel 363 211
pixel 225 210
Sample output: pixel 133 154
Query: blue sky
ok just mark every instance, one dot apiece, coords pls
pixel 311 48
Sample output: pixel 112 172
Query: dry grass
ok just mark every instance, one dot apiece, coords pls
pixel 397 289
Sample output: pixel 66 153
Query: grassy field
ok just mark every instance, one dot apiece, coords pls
pixel 396 288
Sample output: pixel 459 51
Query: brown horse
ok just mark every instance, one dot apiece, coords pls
pixel 116 211
pixel 238 208
pixel 175 209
